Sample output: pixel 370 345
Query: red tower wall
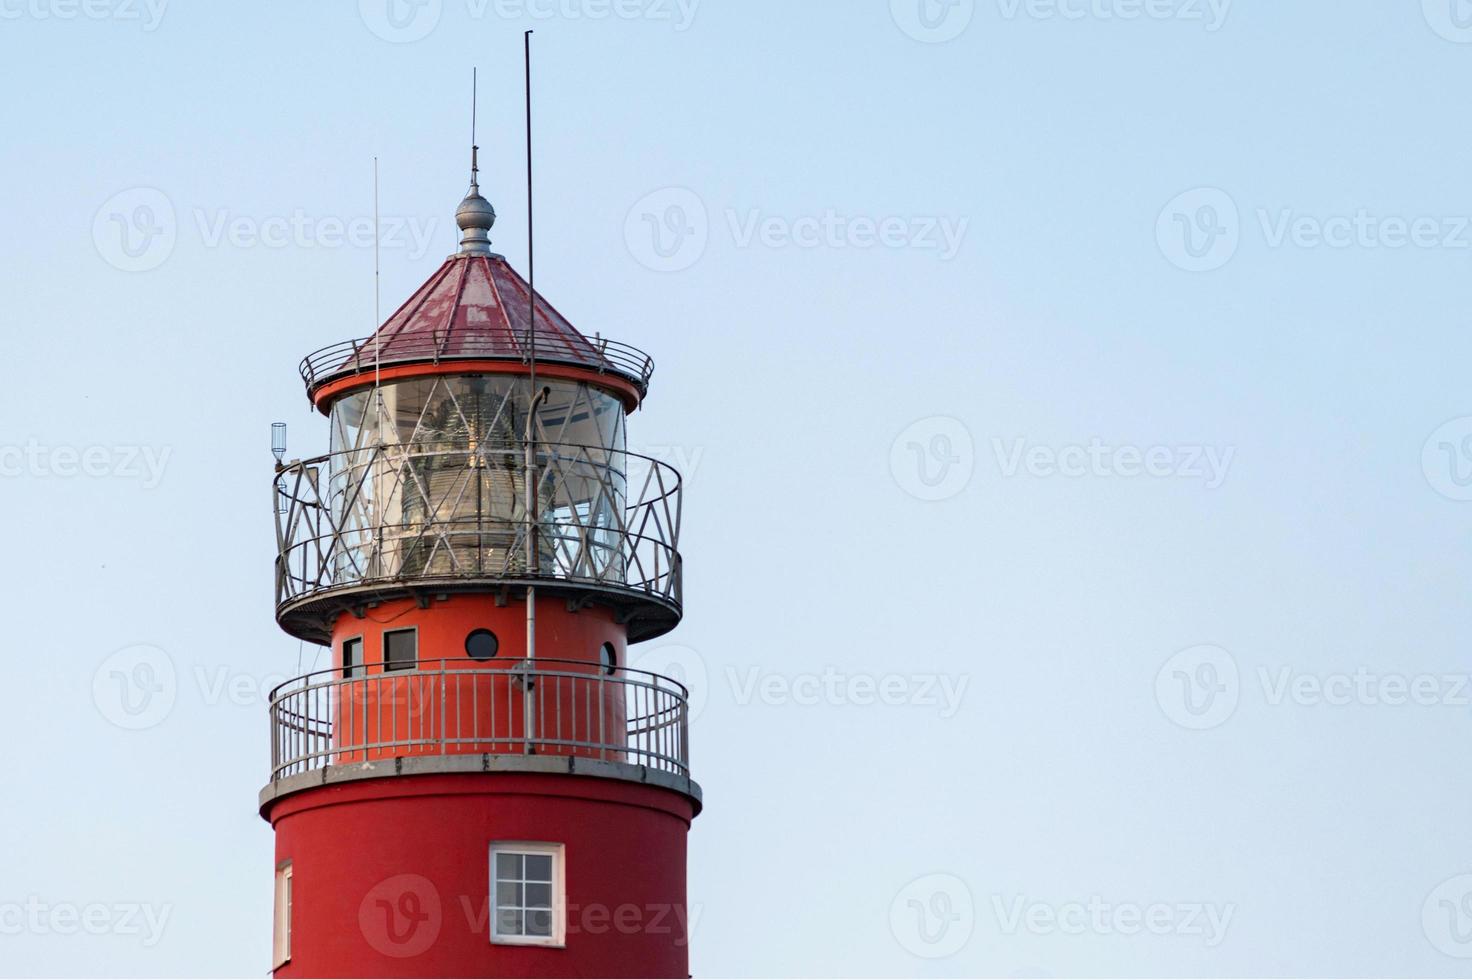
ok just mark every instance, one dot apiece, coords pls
pixel 453 702
pixel 392 877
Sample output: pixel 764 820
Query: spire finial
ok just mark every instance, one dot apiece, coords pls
pixel 475 216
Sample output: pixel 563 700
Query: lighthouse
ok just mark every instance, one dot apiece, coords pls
pixel 479 783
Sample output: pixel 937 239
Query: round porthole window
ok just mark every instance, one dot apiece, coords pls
pixel 481 645
pixel 608 657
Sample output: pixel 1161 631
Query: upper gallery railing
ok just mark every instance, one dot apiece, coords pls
pixel 358 356
pixel 434 512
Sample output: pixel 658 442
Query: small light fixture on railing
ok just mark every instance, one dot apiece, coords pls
pixel 278 449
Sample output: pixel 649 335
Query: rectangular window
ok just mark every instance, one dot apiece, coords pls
pixel 352 657
pixel 400 649
pixel 526 894
pixel 281 938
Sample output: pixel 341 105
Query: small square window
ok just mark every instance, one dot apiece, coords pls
pixel 400 650
pixel 526 880
pixel 352 657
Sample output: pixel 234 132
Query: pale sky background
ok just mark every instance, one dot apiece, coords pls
pixel 796 376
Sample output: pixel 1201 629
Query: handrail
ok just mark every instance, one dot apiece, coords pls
pixel 610 518
pixel 356 356
pixel 457 707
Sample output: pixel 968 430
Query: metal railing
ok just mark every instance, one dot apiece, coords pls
pixel 357 356
pixel 406 513
pixel 448 707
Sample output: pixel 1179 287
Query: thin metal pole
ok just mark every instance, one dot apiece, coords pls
pixel 377 322
pixel 533 561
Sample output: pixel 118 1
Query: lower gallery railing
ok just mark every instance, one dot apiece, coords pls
pixel 449 707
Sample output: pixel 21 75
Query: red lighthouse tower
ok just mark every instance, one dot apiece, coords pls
pixel 480 784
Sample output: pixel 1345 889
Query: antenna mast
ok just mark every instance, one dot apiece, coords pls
pixel 377 316
pixel 534 401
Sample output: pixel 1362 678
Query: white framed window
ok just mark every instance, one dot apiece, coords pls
pixel 528 907
pixel 281 934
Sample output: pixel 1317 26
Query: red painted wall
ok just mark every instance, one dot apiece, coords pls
pixel 444 625
pixel 429 714
pixel 391 876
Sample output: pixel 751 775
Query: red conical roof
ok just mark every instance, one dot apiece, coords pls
pixel 473 304
pixel 475 307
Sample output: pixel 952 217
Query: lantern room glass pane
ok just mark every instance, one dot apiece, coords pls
pixel 428 479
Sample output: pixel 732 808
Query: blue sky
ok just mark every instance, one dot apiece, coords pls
pixel 1088 375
